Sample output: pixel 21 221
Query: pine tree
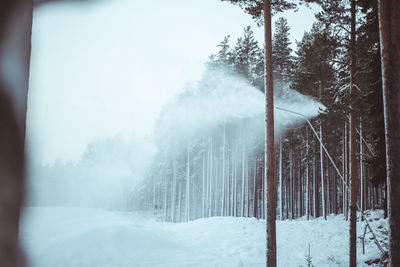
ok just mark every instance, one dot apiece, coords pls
pixel 312 64
pixel 343 19
pixel 281 51
pixel 245 55
pixel 256 7
pixel 353 166
pixel 371 96
pixel 389 21
pixel 223 58
pixel 262 11
pixel 270 191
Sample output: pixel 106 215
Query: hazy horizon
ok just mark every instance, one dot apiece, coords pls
pixel 108 68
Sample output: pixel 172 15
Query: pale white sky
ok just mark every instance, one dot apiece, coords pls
pixel 104 69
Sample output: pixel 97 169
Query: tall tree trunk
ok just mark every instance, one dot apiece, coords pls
pixel 263 203
pixel 346 173
pixel 353 162
pixel 173 191
pixel 203 198
pixel 192 202
pixel 389 22
pixel 207 205
pixel 321 152
pixel 291 182
pixel 216 188
pixel 362 182
pixel 301 184
pixel 280 180
pixel 243 180
pixel 315 182
pixel 328 190
pixel 334 191
pixel 248 189
pixel 180 203
pixel 154 195
pixel 344 189
pixel 210 178
pixel 307 181
pixel 187 207
pixel 234 180
pixel 165 198
pixel 328 183
pixel 287 197
pixel 15 17
pixel 223 171
pixel 228 188
pixel 295 181
pixel 269 144
pixel 255 189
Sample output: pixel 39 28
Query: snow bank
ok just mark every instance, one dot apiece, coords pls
pixel 69 237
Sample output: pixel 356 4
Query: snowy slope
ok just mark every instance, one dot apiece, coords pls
pixel 72 237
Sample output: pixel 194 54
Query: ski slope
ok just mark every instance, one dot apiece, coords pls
pixel 79 237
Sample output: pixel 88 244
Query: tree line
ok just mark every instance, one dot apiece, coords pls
pixel 350 60
pixel 338 61
pixel 344 18
pixel 312 73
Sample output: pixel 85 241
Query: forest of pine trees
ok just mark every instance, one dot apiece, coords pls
pixel 309 184
pixel 341 161
pixel 221 172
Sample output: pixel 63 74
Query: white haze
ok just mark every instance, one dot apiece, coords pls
pixel 109 67
pixel 110 168
pixel 103 178
pixel 102 73
pixel 222 97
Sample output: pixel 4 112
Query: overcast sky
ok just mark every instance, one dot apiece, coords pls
pixel 107 69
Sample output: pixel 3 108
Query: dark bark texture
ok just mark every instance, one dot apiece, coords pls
pixel 15 44
pixel 353 146
pixel 389 24
pixel 270 191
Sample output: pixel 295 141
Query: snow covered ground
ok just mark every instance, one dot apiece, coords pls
pixel 77 237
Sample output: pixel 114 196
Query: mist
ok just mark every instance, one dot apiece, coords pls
pixel 102 178
pixel 112 170
pixel 127 97
pixel 223 97
pixel 146 144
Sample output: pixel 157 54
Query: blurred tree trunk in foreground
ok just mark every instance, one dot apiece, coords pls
pixel 15 44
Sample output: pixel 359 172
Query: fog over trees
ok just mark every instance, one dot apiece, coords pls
pixel 268 132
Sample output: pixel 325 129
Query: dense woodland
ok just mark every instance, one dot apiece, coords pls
pixel 220 170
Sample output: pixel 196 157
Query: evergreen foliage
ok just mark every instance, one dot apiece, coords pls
pixel 281 51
